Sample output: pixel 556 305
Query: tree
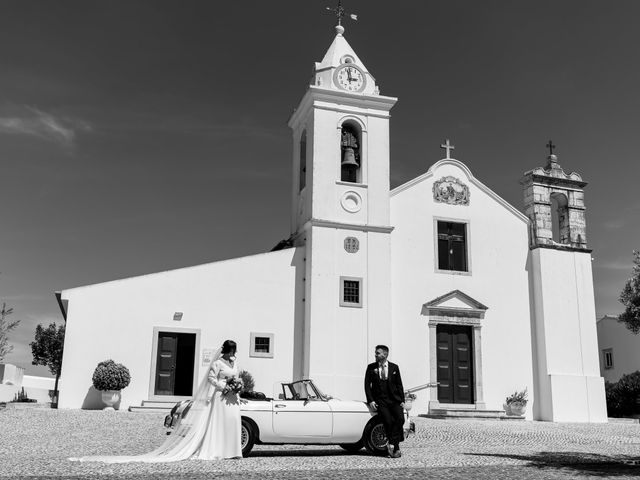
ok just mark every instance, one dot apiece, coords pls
pixel 47 351
pixel 5 327
pixel 630 297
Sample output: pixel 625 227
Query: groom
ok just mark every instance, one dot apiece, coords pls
pixel 383 387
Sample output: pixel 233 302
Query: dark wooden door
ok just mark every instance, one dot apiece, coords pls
pixel 166 363
pixel 175 364
pixel 455 364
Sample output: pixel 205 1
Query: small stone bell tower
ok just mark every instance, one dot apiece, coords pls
pixel 554 203
pixel 568 385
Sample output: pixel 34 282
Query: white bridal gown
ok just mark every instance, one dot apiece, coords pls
pixel 222 436
pixel 210 430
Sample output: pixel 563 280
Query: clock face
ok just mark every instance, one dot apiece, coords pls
pixel 349 77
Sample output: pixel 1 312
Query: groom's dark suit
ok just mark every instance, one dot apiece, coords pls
pixel 388 394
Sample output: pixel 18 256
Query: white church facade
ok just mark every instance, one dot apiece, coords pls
pixel 417 268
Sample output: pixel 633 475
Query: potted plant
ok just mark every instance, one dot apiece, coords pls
pixel 110 377
pixel 408 400
pixel 516 403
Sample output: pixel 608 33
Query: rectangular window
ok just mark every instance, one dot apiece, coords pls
pixel 608 358
pixel 350 292
pixel 452 246
pixel 261 345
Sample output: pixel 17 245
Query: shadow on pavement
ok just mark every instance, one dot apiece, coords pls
pixel 592 464
pixel 307 453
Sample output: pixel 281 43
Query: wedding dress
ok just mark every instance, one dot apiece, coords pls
pixel 209 431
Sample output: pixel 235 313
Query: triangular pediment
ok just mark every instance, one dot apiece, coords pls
pixel 455 302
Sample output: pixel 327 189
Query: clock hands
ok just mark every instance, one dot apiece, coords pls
pixel 349 74
pixel 349 77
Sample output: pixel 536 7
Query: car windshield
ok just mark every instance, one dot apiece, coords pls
pixel 302 390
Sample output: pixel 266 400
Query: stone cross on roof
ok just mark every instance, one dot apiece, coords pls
pixel 448 147
pixel 550 146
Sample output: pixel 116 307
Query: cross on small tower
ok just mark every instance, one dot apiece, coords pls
pixel 448 147
pixel 550 146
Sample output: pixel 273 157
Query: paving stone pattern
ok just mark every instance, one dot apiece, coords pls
pixel 37 443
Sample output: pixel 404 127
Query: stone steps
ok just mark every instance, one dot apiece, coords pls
pixel 153 407
pixel 468 413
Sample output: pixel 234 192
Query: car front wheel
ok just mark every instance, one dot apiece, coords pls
pixel 247 437
pixel 375 438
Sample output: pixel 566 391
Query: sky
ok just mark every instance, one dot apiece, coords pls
pixel 141 136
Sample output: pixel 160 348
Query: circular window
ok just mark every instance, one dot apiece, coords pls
pixel 351 202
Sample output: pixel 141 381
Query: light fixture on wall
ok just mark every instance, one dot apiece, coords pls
pixel 177 316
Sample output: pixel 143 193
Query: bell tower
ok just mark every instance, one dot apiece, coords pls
pixel 566 368
pixel 340 214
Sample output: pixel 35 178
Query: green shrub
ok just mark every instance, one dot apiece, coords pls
pixel 623 396
pixel 110 375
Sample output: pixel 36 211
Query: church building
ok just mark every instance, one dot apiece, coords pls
pixel 416 268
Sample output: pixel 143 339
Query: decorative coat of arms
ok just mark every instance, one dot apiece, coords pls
pixel 450 190
pixel 351 244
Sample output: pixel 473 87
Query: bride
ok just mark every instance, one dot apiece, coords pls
pixel 211 428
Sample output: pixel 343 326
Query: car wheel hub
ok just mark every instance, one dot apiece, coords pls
pixel 379 437
pixel 244 437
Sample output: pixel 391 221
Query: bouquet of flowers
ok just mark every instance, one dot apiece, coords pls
pixel 234 385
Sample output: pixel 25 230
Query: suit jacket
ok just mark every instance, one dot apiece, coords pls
pixel 372 383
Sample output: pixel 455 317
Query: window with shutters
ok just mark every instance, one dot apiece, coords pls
pixel 452 246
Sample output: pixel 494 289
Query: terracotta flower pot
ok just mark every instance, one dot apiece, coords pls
pixel 110 398
pixel 517 408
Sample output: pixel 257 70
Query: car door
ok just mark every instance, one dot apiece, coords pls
pixel 302 415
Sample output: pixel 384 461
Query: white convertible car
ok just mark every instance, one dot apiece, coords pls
pixel 303 415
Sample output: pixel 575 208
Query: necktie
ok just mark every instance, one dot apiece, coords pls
pixel 384 372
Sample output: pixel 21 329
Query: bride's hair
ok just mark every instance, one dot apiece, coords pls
pixel 229 346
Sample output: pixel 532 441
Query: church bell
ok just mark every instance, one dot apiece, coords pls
pixel 349 158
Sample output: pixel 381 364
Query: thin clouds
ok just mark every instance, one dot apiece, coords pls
pixel 618 265
pixel 32 121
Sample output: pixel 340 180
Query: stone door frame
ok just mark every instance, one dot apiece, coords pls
pixel 154 357
pixel 471 317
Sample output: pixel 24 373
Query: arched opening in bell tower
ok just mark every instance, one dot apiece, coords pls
pixel 560 218
pixel 350 153
pixel 303 161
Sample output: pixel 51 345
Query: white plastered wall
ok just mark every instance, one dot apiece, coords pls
pixel 625 347
pixel 568 372
pixel 227 299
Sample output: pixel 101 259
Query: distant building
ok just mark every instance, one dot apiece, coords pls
pixel 619 349
pixel 466 290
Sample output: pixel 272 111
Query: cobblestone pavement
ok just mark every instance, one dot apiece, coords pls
pixel 36 444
